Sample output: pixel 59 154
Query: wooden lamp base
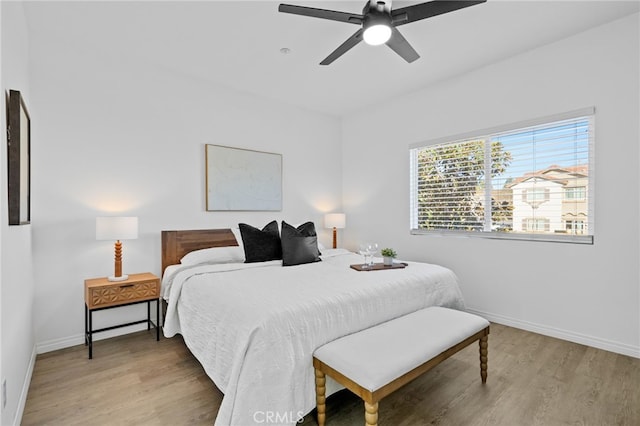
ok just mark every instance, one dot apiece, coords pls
pixel 117 276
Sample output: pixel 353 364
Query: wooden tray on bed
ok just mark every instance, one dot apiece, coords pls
pixel 378 267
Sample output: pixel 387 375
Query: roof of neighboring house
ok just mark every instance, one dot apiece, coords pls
pixel 554 173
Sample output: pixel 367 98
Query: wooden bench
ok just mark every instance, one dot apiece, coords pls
pixel 375 362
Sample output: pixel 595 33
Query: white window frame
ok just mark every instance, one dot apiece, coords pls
pixel 485 134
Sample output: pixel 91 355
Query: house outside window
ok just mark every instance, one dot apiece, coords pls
pixel 526 181
pixel 554 204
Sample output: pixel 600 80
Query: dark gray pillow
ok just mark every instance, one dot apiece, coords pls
pixel 261 245
pixel 307 229
pixel 299 245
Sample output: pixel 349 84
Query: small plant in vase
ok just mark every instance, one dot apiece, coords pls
pixel 388 254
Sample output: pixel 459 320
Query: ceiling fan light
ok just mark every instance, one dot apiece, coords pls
pixel 377 34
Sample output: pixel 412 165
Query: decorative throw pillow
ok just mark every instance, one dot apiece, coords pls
pixel 308 229
pixel 299 245
pixel 261 245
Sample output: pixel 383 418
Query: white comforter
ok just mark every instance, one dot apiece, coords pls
pixel 254 327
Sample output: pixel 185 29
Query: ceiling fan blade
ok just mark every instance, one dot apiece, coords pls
pixel 409 14
pixel 401 46
pixel 344 47
pixel 350 18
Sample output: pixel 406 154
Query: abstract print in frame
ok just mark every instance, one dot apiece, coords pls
pixel 242 179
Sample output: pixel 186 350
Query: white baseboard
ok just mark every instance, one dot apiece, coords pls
pixel 22 401
pixel 596 342
pixel 55 344
pixel 78 339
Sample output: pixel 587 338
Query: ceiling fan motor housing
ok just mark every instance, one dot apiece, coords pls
pixel 374 17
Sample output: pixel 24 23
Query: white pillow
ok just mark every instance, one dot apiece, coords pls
pixel 238 235
pixel 233 254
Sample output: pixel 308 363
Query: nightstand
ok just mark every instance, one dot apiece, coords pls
pixel 100 294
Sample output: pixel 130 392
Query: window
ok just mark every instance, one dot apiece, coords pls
pixel 534 224
pixel 575 226
pixel 521 181
pixel 577 193
pixel 536 195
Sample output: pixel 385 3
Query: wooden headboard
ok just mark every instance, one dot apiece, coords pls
pixel 175 244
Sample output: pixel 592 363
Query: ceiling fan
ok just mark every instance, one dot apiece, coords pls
pixel 378 23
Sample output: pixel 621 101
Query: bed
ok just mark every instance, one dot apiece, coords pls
pixel 254 326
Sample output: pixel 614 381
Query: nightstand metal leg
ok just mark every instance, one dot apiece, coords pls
pixel 149 315
pixel 90 336
pixel 157 320
pixel 86 342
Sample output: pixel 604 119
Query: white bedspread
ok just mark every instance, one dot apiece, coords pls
pixel 254 329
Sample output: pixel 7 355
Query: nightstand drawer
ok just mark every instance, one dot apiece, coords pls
pixel 123 292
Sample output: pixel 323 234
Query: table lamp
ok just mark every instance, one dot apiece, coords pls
pixel 335 221
pixel 117 228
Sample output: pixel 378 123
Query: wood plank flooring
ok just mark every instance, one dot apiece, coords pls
pixel 533 380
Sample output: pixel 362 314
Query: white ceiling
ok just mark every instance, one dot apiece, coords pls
pixel 237 43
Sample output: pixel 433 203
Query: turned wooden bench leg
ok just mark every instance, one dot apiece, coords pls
pixel 320 396
pixel 371 414
pixel 484 350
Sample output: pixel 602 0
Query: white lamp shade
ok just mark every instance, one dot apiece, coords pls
pixel 335 220
pixel 116 228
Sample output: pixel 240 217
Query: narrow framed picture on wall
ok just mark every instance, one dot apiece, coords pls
pixel 19 160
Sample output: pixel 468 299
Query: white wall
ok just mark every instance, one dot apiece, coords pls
pixel 116 136
pixel 16 268
pixel 585 293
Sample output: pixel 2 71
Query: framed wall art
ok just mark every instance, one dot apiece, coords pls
pixel 242 179
pixel 19 160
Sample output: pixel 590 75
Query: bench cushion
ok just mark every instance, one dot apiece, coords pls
pixel 378 355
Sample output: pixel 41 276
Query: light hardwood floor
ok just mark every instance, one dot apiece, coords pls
pixel 533 380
